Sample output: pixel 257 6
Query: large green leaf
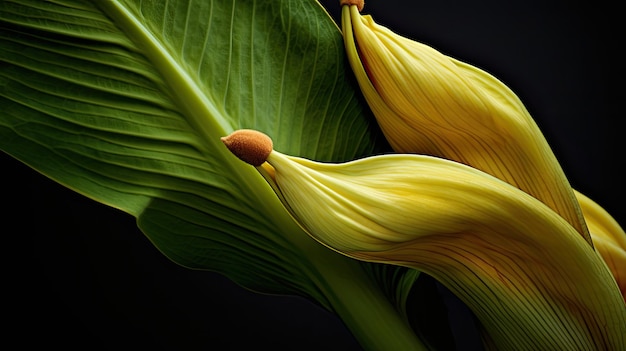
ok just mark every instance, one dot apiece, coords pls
pixel 125 102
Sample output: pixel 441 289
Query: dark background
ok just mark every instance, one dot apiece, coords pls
pixel 80 274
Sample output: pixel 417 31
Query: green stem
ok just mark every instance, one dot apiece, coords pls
pixel 365 310
pixel 355 297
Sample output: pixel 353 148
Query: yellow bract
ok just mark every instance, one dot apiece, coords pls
pixel 529 277
pixel 428 103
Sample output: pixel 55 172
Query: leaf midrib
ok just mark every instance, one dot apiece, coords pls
pixel 204 116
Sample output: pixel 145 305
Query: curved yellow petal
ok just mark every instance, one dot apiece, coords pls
pixel 608 237
pixel 428 103
pixel 529 277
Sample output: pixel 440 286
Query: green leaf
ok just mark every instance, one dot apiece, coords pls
pixel 125 102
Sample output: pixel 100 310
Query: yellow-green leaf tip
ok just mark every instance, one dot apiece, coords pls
pixel 250 146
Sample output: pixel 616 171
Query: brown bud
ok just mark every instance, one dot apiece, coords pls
pixel 249 145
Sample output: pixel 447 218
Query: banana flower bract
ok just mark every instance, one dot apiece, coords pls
pixel 516 263
pixel 428 103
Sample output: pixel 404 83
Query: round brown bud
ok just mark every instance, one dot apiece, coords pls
pixel 251 146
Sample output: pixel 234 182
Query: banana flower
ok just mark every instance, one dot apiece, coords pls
pixel 529 277
pixel 428 103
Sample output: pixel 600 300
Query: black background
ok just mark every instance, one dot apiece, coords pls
pixel 78 273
